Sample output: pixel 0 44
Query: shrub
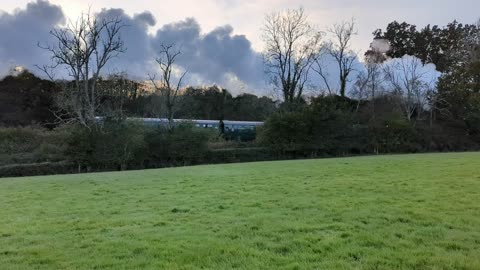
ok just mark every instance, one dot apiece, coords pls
pixel 394 134
pixel 182 145
pixel 325 127
pixel 285 132
pixel 233 155
pixel 44 168
pixel 111 145
pixel 31 145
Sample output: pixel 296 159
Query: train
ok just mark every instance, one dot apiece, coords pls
pixel 232 130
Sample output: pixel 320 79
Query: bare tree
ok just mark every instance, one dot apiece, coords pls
pixel 167 87
pixel 360 87
pixel 411 82
pixel 291 46
pixel 368 85
pixel 83 48
pixel 437 105
pixel 339 49
pixel 374 59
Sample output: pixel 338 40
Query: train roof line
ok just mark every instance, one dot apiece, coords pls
pixel 192 120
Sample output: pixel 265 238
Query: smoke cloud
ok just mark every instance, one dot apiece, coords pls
pixel 380 45
pixel 22 30
pixel 216 57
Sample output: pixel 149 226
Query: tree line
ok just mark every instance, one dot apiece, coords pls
pixel 415 90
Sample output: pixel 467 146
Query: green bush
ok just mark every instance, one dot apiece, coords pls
pixel 472 120
pixel 285 132
pixel 394 134
pixel 31 145
pixel 234 155
pixel 331 126
pixel 44 168
pixel 110 145
pixel 325 127
pixel 182 145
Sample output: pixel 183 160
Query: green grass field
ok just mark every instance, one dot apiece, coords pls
pixel 385 212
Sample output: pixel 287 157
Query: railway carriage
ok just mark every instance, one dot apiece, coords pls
pixel 233 130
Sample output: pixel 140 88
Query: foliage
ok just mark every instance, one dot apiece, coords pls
pixel 117 92
pixel 333 126
pixel 32 144
pixel 33 169
pixel 321 128
pixel 459 90
pixel 239 154
pixel 393 134
pixel 26 99
pixel 432 44
pixel 182 145
pixel 204 103
pixel 248 107
pixel 216 103
pixel 443 117
pixel 106 146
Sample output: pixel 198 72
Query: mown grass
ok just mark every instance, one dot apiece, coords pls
pixel 385 212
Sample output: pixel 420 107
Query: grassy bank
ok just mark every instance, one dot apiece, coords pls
pixel 384 212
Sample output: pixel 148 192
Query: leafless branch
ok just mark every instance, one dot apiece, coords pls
pixel 168 88
pixel 83 48
pixel 339 49
pixel 292 45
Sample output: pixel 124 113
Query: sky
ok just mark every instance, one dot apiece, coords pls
pixel 222 37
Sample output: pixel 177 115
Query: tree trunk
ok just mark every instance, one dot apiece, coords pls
pixel 343 85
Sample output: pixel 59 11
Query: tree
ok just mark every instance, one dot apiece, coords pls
pixel 291 47
pixel 83 48
pixel 118 92
pixel 431 44
pixel 248 107
pixel 26 99
pixel 168 88
pixel 325 126
pixel 412 82
pixel 215 103
pixel 339 49
pixel 402 38
pixel 459 89
pixel 369 83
